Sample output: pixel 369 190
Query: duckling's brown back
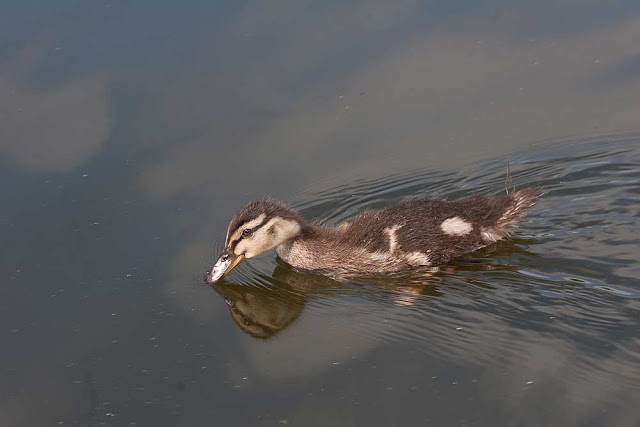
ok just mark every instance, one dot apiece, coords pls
pixel 432 231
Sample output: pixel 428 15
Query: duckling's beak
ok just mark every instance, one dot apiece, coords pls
pixel 227 262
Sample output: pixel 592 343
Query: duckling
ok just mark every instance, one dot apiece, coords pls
pixel 409 235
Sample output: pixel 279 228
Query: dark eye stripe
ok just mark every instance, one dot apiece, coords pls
pixel 244 223
pixel 242 235
pixel 241 226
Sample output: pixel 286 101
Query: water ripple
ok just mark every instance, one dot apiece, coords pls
pixel 566 285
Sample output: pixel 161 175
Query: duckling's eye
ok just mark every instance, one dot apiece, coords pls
pixel 246 232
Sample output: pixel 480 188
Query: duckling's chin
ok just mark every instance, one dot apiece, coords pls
pixel 227 262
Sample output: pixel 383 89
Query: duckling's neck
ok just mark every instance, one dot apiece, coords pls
pixel 313 242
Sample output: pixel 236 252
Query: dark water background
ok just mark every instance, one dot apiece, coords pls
pixel 130 132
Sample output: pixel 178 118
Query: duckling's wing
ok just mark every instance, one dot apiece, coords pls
pixel 454 228
pixel 432 231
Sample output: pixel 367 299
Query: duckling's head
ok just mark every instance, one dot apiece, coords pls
pixel 261 225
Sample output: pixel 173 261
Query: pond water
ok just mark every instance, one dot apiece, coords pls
pixel 130 133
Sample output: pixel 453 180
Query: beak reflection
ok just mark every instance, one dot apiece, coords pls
pixel 227 262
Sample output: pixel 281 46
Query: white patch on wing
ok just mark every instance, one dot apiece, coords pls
pixel 418 258
pixel 393 238
pixel 456 226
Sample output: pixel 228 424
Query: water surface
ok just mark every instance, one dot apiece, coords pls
pixel 130 132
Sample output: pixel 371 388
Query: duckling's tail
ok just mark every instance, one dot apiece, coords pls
pixel 517 205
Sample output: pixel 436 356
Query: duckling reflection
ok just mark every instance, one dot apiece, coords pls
pixel 486 259
pixel 256 313
pixel 263 311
